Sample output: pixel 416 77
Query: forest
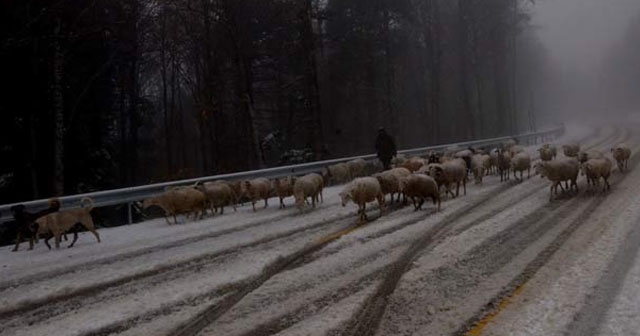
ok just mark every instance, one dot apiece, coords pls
pixel 115 93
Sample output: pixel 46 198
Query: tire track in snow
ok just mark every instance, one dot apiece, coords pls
pixel 475 324
pixel 285 321
pixel 185 242
pixel 366 322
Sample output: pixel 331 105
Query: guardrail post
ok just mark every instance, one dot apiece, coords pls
pixel 129 214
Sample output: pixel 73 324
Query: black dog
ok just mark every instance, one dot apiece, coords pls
pixel 24 221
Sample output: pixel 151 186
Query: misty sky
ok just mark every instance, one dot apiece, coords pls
pixel 578 33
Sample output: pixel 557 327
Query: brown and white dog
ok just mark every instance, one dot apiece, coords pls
pixel 60 222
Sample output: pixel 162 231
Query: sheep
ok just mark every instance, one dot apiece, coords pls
pixel 433 157
pixel 218 195
pixel 506 145
pixel 450 173
pixel 545 153
pixel 414 163
pixel 466 156
pixel 400 173
pixel 480 165
pixel 398 160
pixel 389 183
pixel 621 153
pixel 361 191
pixel 179 201
pixel 594 169
pixel 552 149
pixel 319 181
pixel 307 186
pixel 337 173
pixel 418 186
pixel 513 150
pixel 519 163
pixel 503 163
pixel 592 154
pixel 493 155
pixel 559 170
pixel 283 188
pixel 357 168
pixel 236 189
pixel 571 150
pixel 256 189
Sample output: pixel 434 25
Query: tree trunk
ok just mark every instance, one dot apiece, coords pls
pixel 313 88
pixel 165 101
pixel 58 113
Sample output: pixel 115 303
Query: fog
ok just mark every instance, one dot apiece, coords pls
pixel 580 36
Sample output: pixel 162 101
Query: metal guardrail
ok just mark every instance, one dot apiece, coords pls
pixel 133 194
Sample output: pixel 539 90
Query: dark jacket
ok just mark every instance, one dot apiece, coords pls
pixel 385 146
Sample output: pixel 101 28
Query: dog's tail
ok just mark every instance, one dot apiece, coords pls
pixel 87 203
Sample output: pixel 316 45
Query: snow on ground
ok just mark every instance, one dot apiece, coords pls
pixel 549 302
pixel 149 277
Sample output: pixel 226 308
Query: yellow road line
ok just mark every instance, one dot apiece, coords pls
pixel 337 235
pixel 490 316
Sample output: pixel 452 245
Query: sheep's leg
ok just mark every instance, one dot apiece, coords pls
pixel 253 204
pixel 551 191
pixel 457 188
pixel 464 186
pixel 381 204
pixel 266 202
pixel 559 183
pixel 420 203
pixel 364 211
pixel 606 184
pixel 313 202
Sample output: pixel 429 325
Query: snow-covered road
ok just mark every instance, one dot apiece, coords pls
pixel 502 260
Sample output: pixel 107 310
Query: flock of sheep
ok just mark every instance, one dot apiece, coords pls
pixel 415 178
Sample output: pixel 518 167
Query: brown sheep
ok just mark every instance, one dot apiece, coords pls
pixel 179 201
pixel 418 187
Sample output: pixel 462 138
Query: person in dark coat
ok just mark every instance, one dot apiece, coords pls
pixel 386 148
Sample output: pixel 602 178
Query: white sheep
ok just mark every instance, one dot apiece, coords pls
pixel 513 150
pixel 305 187
pixel 319 181
pixel 622 153
pixel 218 195
pixel 519 163
pixel 452 172
pixel 557 171
pixel 480 166
pixel 400 173
pixel 595 169
pixel 418 187
pixel 283 188
pixel 362 191
pixel 357 168
pixel 338 173
pixel 257 189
